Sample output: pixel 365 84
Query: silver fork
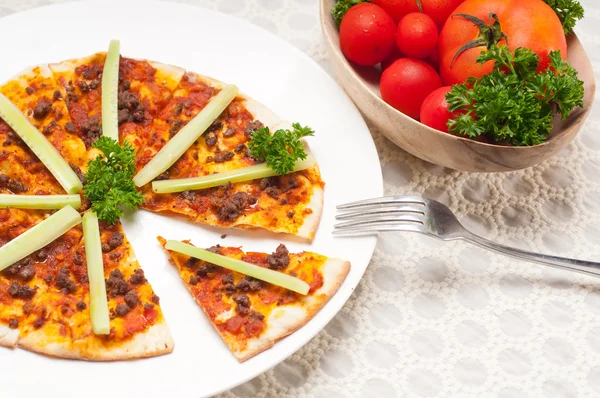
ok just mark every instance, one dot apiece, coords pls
pixel 432 218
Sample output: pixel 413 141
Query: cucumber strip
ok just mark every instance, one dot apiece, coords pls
pixel 40 145
pixel 38 236
pixel 110 92
pixel 213 180
pixel 264 274
pixel 44 202
pixel 186 136
pixel 95 268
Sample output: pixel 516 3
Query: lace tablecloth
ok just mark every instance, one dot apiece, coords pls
pixel 434 319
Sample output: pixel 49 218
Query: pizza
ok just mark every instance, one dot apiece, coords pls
pixel 44 298
pixel 251 315
pixel 155 102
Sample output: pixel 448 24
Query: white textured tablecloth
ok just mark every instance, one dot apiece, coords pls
pixel 434 319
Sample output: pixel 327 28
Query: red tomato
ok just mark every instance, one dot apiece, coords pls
pixel 406 83
pixel 438 10
pixel 417 35
pixel 396 54
pixel 526 23
pixel 434 111
pixel 367 34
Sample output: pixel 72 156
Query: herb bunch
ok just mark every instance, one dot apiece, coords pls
pixel 280 150
pixel 341 7
pixel 109 184
pixel 514 103
pixel 568 11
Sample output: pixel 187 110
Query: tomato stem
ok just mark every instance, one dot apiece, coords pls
pixel 490 34
pixel 420 6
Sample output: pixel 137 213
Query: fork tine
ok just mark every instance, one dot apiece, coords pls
pixel 388 200
pixel 375 228
pixel 381 211
pixel 405 218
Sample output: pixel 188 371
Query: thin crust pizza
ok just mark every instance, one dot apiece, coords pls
pixel 251 315
pixel 46 297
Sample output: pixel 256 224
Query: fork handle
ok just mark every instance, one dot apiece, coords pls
pixel 585 267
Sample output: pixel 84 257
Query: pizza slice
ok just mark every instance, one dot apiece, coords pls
pixel 144 89
pixel 45 302
pixel 251 315
pixel 287 204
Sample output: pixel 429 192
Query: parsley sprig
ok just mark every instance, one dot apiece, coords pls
pixel 341 7
pixel 514 103
pixel 109 184
pixel 568 11
pixel 280 150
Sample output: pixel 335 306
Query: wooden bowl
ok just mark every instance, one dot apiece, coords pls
pixel 362 85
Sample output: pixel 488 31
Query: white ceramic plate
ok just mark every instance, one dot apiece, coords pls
pixel 264 67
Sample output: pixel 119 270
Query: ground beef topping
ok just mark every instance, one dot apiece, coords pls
pixel 17 290
pixel 131 299
pixel 116 284
pixel 251 127
pixel 240 148
pixel 130 108
pixel 90 130
pixel 13 324
pixel 113 242
pixel 222 157
pixel 210 139
pixel 80 306
pixel 77 259
pixel 204 270
pixel 24 270
pixel 64 283
pixel 280 259
pixel 243 303
pixel 249 284
pixel 70 127
pixel 191 262
pixel 138 277
pixel 29 90
pixel 122 309
pixel 216 125
pixel 42 109
pixel 231 208
pixel 188 195
pixel 272 192
pixel 16 186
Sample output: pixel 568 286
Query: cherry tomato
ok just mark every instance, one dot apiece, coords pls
pixel 434 111
pixel 367 34
pixel 396 54
pixel 406 83
pixel 438 10
pixel 417 35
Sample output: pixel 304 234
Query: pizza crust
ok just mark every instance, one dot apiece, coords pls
pixel 285 320
pixel 8 336
pixel 155 341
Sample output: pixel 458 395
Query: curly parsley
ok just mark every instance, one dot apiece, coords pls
pixel 109 184
pixel 341 7
pixel 280 150
pixel 568 11
pixel 514 103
